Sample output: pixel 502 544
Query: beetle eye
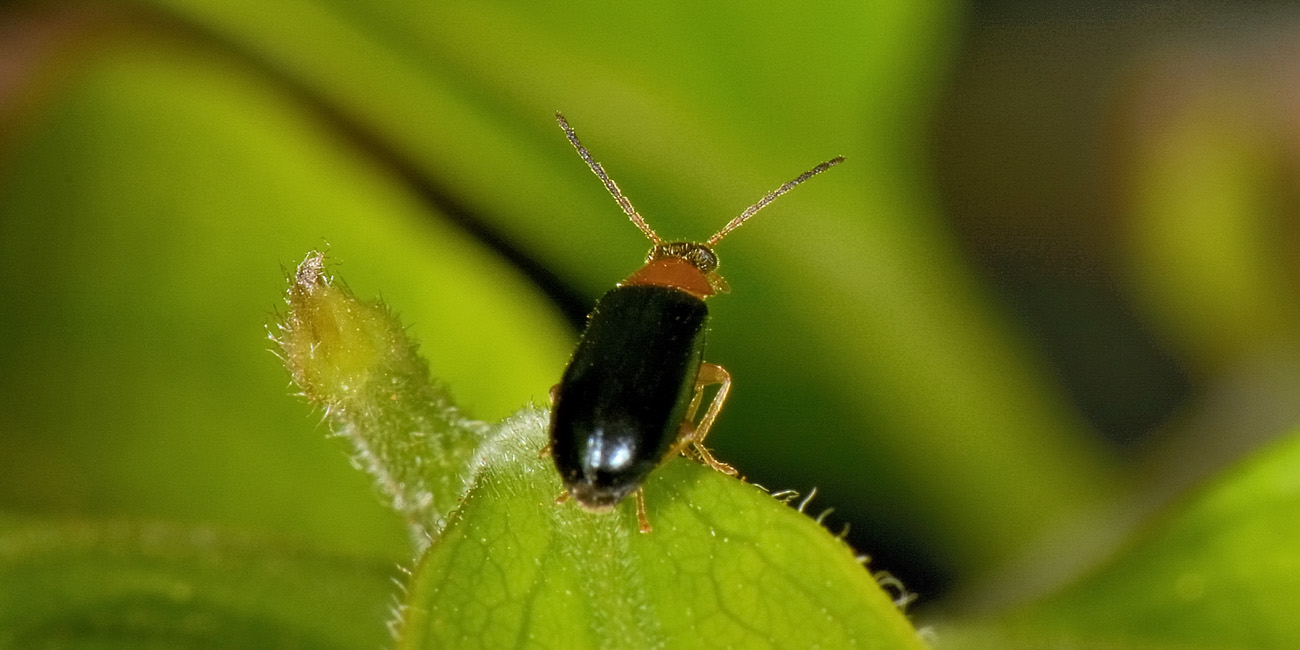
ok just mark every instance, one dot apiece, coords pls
pixel 700 256
pixel 703 258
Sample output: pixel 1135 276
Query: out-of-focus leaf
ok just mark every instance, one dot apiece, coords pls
pixel 138 215
pixel 76 585
pixel 1209 256
pixel 1219 572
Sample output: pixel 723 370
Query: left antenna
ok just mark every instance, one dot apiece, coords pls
pixel 609 182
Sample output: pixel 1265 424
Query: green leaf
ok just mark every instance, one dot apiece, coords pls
pixel 74 585
pixel 355 360
pixel 726 565
pixel 142 217
pixel 1203 246
pixel 1219 572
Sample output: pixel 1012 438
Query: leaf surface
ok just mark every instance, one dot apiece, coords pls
pixel 726 566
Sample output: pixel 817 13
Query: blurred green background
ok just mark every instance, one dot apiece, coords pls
pixel 1053 286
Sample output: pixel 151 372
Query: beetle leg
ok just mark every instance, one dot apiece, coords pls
pixel 709 460
pixel 687 431
pixel 693 435
pixel 694 406
pixel 641 518
pixel 711 373
pixel 546 451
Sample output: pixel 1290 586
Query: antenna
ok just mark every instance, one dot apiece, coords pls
pixel 613 187
pixel 771 196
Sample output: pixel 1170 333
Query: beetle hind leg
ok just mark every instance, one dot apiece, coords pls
pixel 692 434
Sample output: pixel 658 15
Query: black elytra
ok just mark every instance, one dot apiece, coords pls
pixel 627 399
pixel 625 393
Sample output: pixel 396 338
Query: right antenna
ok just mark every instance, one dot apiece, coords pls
pixel 771 196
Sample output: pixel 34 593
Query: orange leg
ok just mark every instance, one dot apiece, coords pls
pixel 692 434
pixel 546 451
pixel 685 433
pixel 641 517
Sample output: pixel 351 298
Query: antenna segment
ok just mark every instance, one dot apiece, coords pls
pixel 609 182
pixel 771 196
pixel 640 222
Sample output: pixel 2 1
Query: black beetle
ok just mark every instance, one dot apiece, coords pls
pixel 628 399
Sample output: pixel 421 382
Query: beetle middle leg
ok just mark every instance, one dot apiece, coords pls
pixel 692 434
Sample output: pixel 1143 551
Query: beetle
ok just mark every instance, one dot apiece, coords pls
pixel 628 399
